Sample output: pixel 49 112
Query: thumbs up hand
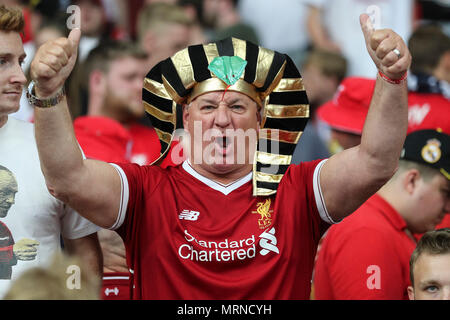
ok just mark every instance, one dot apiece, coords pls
pixel 53 63
pixel 386 48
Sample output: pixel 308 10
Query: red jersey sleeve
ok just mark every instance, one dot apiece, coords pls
pixel 137 183
pixel 303 182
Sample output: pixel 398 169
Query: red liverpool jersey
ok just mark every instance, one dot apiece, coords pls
pixel 188 237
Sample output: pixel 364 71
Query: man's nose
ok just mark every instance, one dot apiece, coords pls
pixel 222 118
pixel 18 76
pixel 10 199
pixel 446 293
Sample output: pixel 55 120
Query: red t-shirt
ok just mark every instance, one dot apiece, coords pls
pixel 7 257
pixel 107 140
pixel 445 223
pixel 188 237
pixel 366 256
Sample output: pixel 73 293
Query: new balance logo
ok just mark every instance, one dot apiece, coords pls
pixel 189 215
pixel 268 242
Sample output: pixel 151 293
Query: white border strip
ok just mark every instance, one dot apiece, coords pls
pixel 215 185
pixel 116 278
pixel 320 201
pixel 124 197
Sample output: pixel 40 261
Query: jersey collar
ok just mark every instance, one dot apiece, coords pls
pixel 225 189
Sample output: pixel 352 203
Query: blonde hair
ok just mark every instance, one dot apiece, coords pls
pixel 329 63
pixel 11 19
pixel 53 282
pixel 433 242
pixel 156 16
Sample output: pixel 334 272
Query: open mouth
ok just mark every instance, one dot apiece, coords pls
pixel 223 144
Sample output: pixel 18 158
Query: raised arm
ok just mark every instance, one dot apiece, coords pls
pixel 90 187
pixel 349 178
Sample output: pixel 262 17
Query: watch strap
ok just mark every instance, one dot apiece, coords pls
pixel 44 103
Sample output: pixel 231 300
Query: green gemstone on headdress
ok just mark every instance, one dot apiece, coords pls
pixel 228 69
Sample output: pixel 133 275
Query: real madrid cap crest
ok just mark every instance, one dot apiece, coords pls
pixel 268 77
pixel 429 147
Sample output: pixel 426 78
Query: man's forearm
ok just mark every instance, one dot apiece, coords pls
pixel 385 127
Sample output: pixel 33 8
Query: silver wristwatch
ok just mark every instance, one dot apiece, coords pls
pixel 44 103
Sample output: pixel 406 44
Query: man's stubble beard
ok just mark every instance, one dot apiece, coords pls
pixel 123 111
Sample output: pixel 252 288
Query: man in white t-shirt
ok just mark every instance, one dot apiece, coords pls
pixel 32 222
pixel 279 24
pixel 334 25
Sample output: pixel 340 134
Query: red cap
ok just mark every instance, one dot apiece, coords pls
pixel 428 111
pixel 348 109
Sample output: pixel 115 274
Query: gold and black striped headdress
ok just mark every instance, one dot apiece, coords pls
pixel 270 78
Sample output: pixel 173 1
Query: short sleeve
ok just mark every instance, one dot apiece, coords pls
pixel 74 226
pixel 301 188
pixel 137 183
pixel 318 195
pixel 306 176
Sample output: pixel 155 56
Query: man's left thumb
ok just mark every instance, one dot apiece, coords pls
pixel 74 37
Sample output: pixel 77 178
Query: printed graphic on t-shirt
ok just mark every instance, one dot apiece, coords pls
pixel 11 251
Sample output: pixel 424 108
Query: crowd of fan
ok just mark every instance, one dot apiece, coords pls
pixel 122 40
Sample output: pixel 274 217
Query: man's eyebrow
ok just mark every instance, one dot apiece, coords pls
pixel 429 282
pixel 235 100
pixel 215 102
pixel 206 100
pixel 9 55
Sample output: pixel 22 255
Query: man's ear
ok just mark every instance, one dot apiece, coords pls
pixel 410 180
pixel 148 41
pixel 186 116
pixel 96 92
pixel 444 64
pixel 411 293
pixel 259 114
pixel 96 82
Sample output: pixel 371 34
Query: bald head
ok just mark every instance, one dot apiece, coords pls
pixel 8 190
